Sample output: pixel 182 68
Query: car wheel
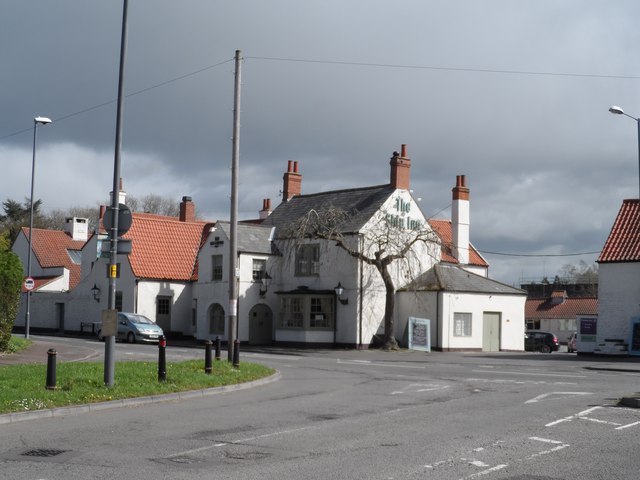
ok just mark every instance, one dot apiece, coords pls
pixel 131 338
pixel 569 350
pixel 545 349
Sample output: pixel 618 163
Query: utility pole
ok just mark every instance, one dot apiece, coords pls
pixel 232 334
pixel 110 341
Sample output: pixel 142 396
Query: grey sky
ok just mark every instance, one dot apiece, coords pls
pixel 513 94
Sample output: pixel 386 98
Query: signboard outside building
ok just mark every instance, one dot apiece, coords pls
pixel 419 334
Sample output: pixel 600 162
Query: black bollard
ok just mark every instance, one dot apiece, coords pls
pixel 218 348
pixel 236 353
pixel 207 357
pixel 51 369
pixel 162 359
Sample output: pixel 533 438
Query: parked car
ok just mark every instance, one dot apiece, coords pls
pixel 571 343
pixel 537 341
pixel 133 328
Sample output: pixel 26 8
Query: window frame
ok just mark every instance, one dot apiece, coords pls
pixel 462 324
pixel 312 312
pixel 257 274
pixel 307 260
pixel 217 269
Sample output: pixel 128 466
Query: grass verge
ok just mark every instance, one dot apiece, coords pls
pixel 17 343
pixel 22 387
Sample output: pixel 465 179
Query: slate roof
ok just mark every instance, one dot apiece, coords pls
pixel 363 202
pixel 164 248
pixel 250 238
pixel 452 278
pixel 547 309
pixel 50 251
pixel 444 230
pixel 623 243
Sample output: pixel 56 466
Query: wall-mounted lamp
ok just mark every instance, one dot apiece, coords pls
pixel 266 281
pixel 95 291
pixel 339 289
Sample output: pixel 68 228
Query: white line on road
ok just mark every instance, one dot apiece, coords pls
pixel 568 375
pixel 571 417
pixel 242 440
pixel 627 426
pixel 484 472
pixel 545 440
pixel 545 395
pixel 357 362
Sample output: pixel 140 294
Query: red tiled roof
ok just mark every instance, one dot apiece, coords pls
pixel 545 308
pixel 623 243
pixel 163 247
pixel 444 230
pixel 50 251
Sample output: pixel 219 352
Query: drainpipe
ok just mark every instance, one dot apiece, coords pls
pixel 438 298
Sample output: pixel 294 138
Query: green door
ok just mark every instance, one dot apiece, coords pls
pixel 491 332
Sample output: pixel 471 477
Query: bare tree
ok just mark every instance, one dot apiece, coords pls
pixel 387 242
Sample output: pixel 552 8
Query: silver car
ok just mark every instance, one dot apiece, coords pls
pixel 133 328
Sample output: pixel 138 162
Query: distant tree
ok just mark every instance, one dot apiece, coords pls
pixel 384 244
pixel 16 216
pixel 57 219
pixel 11 274
pixel 581 273
pixel 155 204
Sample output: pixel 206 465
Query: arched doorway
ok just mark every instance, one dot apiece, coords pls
pixel 260 325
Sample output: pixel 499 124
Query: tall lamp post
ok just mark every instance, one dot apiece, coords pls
pixel 36 121
pixel 619 111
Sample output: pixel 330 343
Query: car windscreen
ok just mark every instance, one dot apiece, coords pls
pixel 140 319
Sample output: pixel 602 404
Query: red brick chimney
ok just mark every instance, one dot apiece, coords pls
pixel 460 220
pixel 266 208
pixel 292 182
pixel 400 169
pixel 187 210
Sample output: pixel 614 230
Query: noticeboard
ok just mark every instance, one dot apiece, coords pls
pixel 419 334
pixel 109 326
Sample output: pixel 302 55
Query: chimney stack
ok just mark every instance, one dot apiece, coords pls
pixel 400 169
pixel 187 210
pixel 266 208
pixel 292 182
pixel 460 220
pixel 122 195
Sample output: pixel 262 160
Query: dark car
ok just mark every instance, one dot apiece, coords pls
pixel 537 341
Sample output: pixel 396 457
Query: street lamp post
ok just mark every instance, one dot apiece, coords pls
pixel 36 121
pixel 619 111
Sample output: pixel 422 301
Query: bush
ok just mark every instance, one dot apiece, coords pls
pixel 10 283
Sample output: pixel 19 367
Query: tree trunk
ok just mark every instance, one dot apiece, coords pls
pixel 389 341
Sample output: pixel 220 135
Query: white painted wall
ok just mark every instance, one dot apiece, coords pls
pixel 618 299
pixel 426 305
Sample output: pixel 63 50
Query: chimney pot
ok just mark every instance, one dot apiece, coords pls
pixel 403 150
pixel 290 166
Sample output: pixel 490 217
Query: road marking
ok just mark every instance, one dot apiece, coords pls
pixel 545 440
pixel 420 387
pixel 568 375
pixel 359 362
pixel 571 417
pixel 564 394
pixel 627 426
pixel 517 382
pixel 235 442
pixel 484 472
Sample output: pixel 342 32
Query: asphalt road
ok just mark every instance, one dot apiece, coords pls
pixel 352 414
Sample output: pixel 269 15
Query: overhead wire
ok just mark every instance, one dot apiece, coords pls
pixel 363 64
